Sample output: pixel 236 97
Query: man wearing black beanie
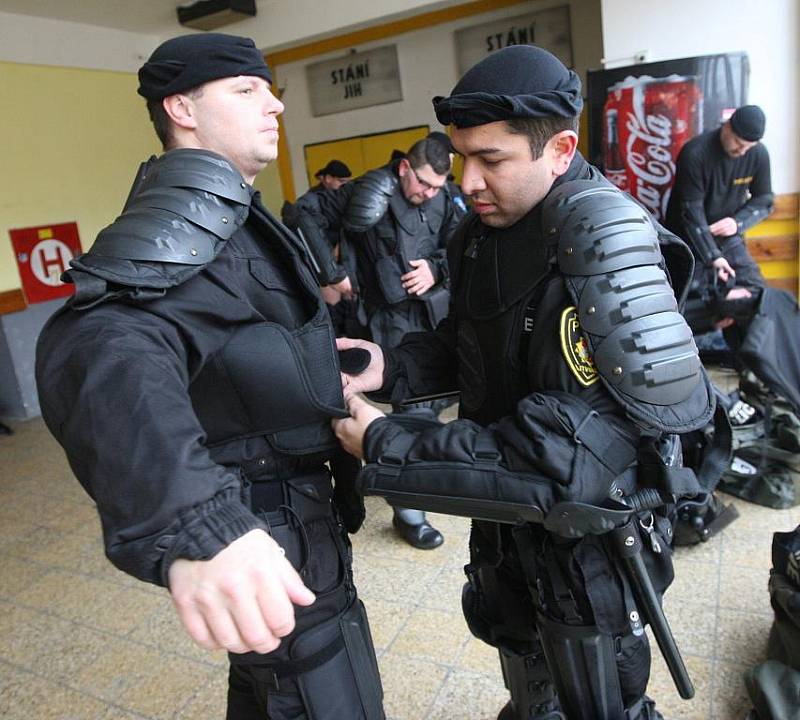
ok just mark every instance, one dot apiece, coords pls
pixel 191 381
pixel 722 188
pixel 565 342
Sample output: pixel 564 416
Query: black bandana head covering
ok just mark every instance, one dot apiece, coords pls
pixel 185 62
pixel 521 81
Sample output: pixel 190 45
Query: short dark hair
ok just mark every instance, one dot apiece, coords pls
pixel 540 130
pixel 429 152
pixel 161 121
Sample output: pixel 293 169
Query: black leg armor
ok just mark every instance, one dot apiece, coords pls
pixel 527 678
pixel 597 676
pixel 586 676
pixel 326 668
pixel 331 674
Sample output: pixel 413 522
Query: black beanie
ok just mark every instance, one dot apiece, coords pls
pixel 748 122
pixel 521 81
pixel 187 61
pixel 335 168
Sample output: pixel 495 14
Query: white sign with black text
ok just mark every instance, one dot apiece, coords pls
pixel 549 29
pixel 355 81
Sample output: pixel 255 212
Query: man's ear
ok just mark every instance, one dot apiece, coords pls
pixel 180 110
pixel 563 145
pixel 403 167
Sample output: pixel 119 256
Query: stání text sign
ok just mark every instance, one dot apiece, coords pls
pixel 355 81
pixel 549 29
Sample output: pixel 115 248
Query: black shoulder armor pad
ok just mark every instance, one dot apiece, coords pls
pixel 370 199
pixel 182 207
pixel 598 229
pixel 608 251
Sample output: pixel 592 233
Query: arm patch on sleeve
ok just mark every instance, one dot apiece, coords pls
pixel 575 348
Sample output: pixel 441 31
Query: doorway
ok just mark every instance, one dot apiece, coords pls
pixel 361 153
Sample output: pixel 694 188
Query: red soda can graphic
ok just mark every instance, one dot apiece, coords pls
pixel 653 118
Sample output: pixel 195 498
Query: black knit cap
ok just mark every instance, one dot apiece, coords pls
pixel 748 122
pixel 521 81
pixel 335 168
pixel 187 61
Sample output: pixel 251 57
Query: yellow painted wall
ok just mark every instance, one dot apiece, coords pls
pixel 72 141
pixel 268 182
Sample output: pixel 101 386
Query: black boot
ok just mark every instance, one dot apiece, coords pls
pixel 412 526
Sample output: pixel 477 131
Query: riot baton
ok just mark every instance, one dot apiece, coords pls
pixel 627 544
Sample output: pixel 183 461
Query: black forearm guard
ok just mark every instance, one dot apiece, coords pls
pixel 556 448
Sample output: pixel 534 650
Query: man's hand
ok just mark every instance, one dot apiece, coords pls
pixel 420 279
pixel 734 294
pixel 724 228
pixel 344 288
pixel 330 295
pixel 241 599
pixel 369 379
pixel 724 269
pixel 350 431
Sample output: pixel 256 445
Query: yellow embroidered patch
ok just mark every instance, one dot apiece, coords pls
pixel 575 350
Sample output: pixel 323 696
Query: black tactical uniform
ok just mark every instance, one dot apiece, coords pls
pixel 711 185
pixel 556 404
pixel 383 232
pixel 344 314
pixel 191 381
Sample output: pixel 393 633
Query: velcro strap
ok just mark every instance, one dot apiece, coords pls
pixel 604 442
pixel 273 674
pixel 393 458
pixel 485 450
pixel 290 668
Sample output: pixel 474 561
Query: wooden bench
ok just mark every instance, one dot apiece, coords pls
pixel 774 242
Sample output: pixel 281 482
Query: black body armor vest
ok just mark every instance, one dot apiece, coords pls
pixel 602 263
pixel 263 379
pixel 497 278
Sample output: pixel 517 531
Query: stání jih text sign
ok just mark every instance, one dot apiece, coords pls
pixel 355 81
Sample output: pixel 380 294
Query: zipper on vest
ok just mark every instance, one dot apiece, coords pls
pixel 473 249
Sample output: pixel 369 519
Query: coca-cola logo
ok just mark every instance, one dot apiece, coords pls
pixel 650 159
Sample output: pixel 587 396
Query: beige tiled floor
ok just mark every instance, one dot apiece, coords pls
pixel 79 640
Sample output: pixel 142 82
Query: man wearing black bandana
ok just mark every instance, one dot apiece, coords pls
pixel 191 381
pixel 575 371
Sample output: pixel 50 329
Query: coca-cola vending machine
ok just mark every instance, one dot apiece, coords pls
pixel 640 116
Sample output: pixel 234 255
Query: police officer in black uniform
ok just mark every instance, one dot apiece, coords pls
pixel 395 223
pixel 343 310
pixel 722 188
pixel 191 380
pixel 451 187
pixel 575 370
